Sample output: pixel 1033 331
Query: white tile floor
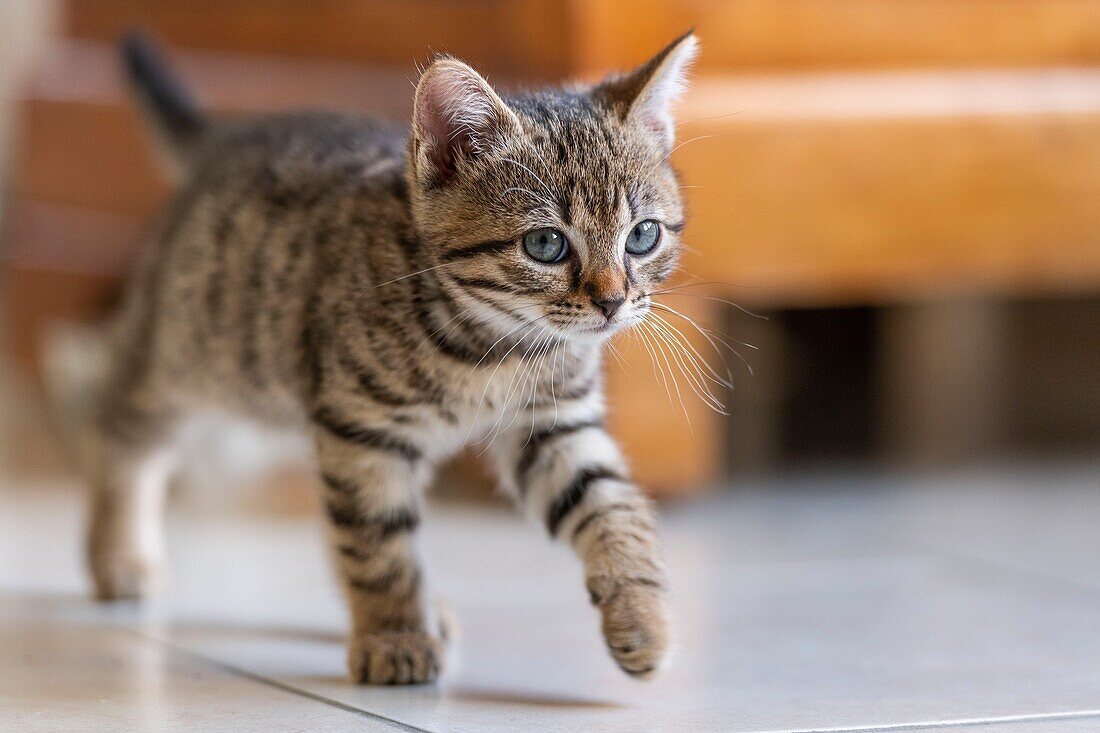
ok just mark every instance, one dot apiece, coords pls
pixel 969 601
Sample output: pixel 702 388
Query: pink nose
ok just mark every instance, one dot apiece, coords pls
pixel 609 306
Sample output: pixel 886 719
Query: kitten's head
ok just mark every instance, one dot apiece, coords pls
pixel 556 209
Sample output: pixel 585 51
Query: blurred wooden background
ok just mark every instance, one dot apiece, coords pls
pixel 930 153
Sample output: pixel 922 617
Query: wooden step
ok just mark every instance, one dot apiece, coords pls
pixel 786 35
pixel 60 263
pixel 82 143
pixel 554 38
pixel 871 188
pixel 63 238
pixel 518 37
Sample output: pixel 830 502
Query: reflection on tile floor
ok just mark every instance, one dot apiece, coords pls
pixel 834 603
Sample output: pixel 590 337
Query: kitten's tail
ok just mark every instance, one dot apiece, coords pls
pixel 173 114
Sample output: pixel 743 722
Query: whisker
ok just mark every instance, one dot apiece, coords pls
pixel 541 182
pixel 615 353
pixel 542 162
pixel 713 117
pixel 711 337
pixel 526 376
pixel 664 158
pixel 661 345
pixel 517 380
pixel 675 384
pixel 553 393
pixel 682 359
pixel 692 373
pixel 464 314
pixel 689 140
pixel 461 315
pixel 713 375
pixel 653 363
pixel 705 296
pixel 414 274
pixel 489 381
pixel 549 350
pixel 644 339
pixel 542 200
pixel 517 386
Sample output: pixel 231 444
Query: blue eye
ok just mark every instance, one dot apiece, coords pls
pixel 546 245
pixel 643 237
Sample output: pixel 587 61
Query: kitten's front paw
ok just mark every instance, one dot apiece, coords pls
pixel 395 658
pixel 636 622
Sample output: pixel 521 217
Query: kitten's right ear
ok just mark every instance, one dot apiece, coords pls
pixel 456 117
pixel 648 93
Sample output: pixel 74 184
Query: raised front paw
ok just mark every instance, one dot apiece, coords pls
pixel 636 623
pixel 395 658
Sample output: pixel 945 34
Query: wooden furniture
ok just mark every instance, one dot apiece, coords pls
pixel 837 151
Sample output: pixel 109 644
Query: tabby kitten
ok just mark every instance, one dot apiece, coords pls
pixel 399 294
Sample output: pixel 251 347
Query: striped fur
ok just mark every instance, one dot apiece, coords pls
pixel 367 284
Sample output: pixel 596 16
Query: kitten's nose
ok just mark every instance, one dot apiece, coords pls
pixel 609 306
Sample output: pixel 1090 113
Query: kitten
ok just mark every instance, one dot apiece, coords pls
pixel 399 293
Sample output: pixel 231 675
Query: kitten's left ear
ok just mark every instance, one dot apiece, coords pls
pixel 456 118
pixel 647 94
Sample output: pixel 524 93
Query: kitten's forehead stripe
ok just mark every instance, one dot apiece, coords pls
pixel 593 168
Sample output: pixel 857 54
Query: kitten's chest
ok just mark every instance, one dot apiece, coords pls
pixel 485 394
pixel 515 393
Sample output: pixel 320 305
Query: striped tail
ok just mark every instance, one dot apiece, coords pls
pixel 177 120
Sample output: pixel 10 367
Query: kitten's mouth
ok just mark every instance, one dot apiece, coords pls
pixel 603 328
pixel 606 328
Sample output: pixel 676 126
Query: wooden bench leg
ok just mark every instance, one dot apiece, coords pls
pixel 942 370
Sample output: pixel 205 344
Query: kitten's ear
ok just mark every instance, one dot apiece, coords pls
pixel 456 117
pixel 647 94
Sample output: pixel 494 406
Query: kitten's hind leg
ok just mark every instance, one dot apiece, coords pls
pixel 129 474
pixel 372 482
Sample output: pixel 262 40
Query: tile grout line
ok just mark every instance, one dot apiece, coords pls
pixel 984 564
pixel 1002 568
pixel 276 684
pixel 948 724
